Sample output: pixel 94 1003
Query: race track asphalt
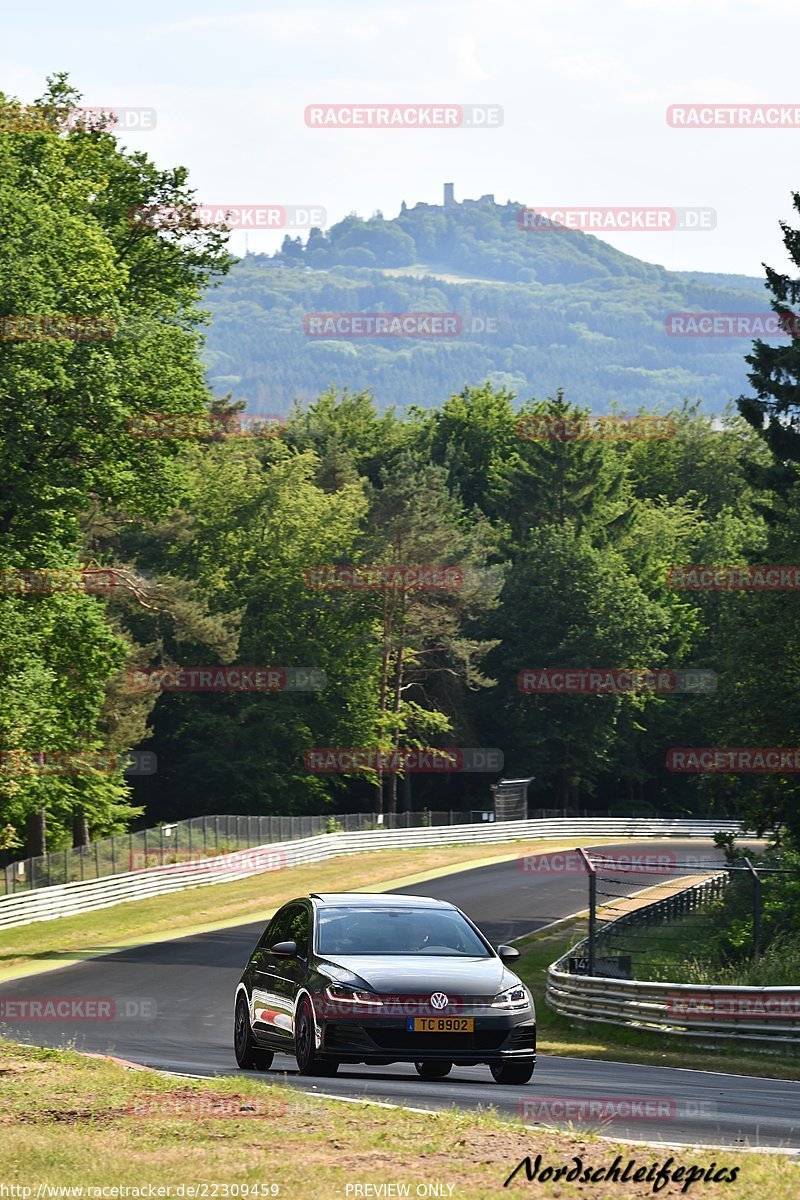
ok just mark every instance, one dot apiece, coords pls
pixel 173 1010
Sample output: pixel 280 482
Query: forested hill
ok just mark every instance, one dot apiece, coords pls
pixel 540 309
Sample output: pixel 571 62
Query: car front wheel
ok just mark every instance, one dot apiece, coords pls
pixel 433 1070
pixel 308 1061
pixel 513 1071
pixel 249 1056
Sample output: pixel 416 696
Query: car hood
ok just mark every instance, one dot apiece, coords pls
pixel 402 975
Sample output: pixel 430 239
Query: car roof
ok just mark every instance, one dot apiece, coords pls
pixel 376 900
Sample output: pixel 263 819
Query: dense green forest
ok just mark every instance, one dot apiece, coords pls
pixel 561 547
pixel 539 310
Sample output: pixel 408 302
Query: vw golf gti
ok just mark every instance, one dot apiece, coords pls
pixel 355 978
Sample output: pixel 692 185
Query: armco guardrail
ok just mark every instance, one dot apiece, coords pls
pixel 68 899
pixel 201 837
pixel 754 1014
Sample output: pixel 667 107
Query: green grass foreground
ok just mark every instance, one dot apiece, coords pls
pixel 68 1120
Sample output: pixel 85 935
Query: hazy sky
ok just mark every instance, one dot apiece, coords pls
pixel 584 85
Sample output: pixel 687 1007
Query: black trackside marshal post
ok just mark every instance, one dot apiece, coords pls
pixel 592 904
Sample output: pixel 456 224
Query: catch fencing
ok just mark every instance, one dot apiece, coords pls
pixel 592 981
pixel 43 904
pixel 201 837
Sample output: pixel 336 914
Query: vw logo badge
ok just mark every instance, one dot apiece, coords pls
pixel 439 1000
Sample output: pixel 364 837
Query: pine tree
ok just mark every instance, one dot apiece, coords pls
pixel 775 409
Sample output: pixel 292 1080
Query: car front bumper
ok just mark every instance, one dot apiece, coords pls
pixel 387 1039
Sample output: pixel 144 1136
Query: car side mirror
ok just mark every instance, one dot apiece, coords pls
pixel 284 949
pixel 508 953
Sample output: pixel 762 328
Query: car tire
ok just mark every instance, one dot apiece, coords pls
pixel 513 1070
pixel 249 1056
pixel 433 1070
pixel 308 1061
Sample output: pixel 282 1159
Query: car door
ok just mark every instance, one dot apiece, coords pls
pixel 296 971
pixel 272 1019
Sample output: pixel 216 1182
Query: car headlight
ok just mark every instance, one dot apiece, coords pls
pixel 342 993
pixel 514 997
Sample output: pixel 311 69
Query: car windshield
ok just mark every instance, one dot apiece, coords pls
pixel 343 931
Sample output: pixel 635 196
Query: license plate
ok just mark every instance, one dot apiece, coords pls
pixel 440 1025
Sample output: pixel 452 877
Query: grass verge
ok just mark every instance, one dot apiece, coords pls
pixel 67 1120
pixel 559 1035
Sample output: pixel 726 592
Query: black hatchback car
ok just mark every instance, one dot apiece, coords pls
pixel 358 978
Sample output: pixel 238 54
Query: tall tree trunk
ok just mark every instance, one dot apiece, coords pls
pixel 36 833
pixel 80 828
pixel 384 691
pixel 391 800
pixel 406 792
pixel 398 627
pixel 397 688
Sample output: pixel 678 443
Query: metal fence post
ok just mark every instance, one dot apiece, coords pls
pixel 592 906
pixel 756 910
